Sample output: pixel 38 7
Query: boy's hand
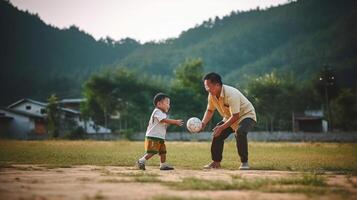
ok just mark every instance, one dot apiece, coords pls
pixel 179 122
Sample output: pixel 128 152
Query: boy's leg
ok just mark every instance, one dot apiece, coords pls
pixel 163 158
pixel 162 153
pixel 151 148
pixel 146 157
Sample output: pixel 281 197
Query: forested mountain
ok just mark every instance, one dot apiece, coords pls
pixel 38 59
pixel 300 37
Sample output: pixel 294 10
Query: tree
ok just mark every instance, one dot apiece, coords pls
pixel 275 97
pixel 119 91
pixel 187 89
pixel 53 116
pixel 344 109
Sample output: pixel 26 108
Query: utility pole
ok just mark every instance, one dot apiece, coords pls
pixel 293 121
pixel 327 79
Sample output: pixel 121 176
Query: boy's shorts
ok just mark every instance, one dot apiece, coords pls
pixel 155 145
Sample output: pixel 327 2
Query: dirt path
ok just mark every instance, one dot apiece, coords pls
pixel 32 182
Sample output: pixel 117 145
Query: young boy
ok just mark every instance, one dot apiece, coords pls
pixel 156 131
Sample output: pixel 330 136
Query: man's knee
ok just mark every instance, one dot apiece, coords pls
pixel 217 140
pixel 241 134
pixel 244 127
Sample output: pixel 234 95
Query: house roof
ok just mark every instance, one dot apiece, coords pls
pixel 27 100
pixel 307 118
pixel 40 104
pixel 4 117
pixel 27 114
pixel 72 101
pixel 70 110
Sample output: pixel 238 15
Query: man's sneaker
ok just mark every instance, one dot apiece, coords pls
pixel 244 166
pixel 212 165
pixel 166 167
pixel 140 165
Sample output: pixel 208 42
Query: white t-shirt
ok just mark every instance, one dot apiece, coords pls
pixel 156 128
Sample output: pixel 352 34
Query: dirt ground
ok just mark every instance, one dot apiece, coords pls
pixel 33 182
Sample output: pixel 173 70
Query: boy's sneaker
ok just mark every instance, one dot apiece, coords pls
pixel 140 165
pixel 244 166
pixel 166 167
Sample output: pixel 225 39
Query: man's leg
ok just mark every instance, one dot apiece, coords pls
pixel 218 143
pixel 241 138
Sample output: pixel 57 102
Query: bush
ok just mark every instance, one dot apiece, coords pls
pixel 77 133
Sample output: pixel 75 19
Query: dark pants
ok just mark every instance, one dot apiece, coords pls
pixel 241 140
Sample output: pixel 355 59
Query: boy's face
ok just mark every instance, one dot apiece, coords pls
pixel 164 104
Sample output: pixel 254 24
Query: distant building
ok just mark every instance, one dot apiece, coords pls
pixel 71 103
pixel 22 125
pixel 27 119
pixel 310 121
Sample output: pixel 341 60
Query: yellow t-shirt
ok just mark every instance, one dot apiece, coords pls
pixel 231 101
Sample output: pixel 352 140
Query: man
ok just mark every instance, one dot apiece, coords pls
pixel 238 116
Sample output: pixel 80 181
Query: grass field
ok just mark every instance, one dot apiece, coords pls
pixel 340 157
pixel 58 169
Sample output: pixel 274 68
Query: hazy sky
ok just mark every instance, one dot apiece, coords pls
pixel 142 20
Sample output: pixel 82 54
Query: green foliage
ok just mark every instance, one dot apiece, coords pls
pixel 275 97
pixel 53 116
pixel 45 59
pixel 344 109
pixel 122 92
pixel 130 94
pixel 77 133
pixel 238 46
pixel 188 94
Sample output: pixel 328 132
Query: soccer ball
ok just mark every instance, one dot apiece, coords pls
pixel 194 125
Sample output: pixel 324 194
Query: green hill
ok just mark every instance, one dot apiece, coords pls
pixel 300 37
pixel 38 59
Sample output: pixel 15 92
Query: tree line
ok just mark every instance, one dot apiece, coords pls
pixel 128 95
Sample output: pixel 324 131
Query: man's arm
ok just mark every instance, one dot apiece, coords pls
pixel 218 129
pixel 230 121
pixel 206 118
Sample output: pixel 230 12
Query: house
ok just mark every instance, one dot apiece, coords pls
pixel 22 125
pixel 73 104
pixel 310 121
pixel 26 119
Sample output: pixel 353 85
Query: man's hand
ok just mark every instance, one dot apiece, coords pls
pixel 206 118
pixel 203 126
pixel 217 130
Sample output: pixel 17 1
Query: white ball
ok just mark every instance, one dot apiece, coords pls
pixel 194 125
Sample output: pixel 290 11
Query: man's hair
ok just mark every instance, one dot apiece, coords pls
pixel 213 77
pixel 159 96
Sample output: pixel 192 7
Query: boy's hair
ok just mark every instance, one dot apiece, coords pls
pixel 213 77
pixel 158 97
